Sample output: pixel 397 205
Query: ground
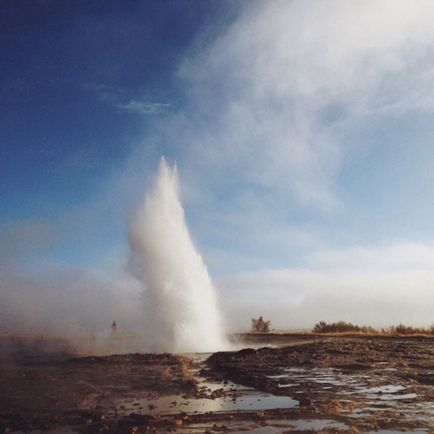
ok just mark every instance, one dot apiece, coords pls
pixel 303 385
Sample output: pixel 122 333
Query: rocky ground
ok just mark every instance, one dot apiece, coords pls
pixel 370 384
pixel 326 385
pixel 75 391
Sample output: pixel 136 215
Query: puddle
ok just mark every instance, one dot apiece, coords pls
pixel 327 376
pixel 365 394
pixel 277 377
pixel 233 397
pixel 283 385
pixel 387 392
pixel 317 424
pixel 396 397
pixel 209 387
pixel 371 393
pixel 328 379
pixel 276 426
pixel 388 388
pixel 174 404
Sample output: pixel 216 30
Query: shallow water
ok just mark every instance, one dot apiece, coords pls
pixel 276 426
pixel 233 397
pixel 173 404
pixel 361 395
pixel 330 378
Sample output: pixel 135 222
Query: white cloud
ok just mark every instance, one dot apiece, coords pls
pixel 390 258
pixel 273 97
pixel 377 286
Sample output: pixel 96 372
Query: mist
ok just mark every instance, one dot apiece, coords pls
pixel 371 285
pixel 377 286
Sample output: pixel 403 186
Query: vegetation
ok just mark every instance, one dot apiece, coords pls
pixel 346 327
pixel 341 327
pixel 402 329
pixel 260 325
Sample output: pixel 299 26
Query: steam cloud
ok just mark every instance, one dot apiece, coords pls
pixel 181 307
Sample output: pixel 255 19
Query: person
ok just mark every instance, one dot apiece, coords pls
pixel 114 327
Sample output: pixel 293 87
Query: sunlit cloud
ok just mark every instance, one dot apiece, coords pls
pixel 277 97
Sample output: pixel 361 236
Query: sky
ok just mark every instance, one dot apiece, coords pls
pixel 302 132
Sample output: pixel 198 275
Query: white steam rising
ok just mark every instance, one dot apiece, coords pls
pixel 181 306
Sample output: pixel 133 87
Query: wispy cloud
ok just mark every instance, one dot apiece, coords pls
pixel 275 99
pixel 143 107
pixel 119 99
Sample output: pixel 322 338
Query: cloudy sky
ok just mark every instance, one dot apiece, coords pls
pixel 303 132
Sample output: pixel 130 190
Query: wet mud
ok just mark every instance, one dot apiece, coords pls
pixel 336 385
pixel 371 385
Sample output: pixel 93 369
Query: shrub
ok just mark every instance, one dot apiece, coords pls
pixel 402 329
pixel 346 327
pixel 341 327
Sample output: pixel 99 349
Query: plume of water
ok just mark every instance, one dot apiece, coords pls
pixel 180 302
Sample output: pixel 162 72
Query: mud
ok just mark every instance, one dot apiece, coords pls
pixel 330 386
pixel 370 384
pixel 41 394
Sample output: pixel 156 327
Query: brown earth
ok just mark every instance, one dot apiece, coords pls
pixel 338 385
pixel 345 378
pixel 45 393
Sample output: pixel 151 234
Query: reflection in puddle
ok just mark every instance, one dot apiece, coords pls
pixel 328 379
pixel 230 397
pixel 317 424
pixel 365 394
pixel 390 397
pixel 359 394
pixel 174 404
pixel 388 388
pixel 276 426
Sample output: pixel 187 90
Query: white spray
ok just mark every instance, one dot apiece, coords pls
pixel 181 306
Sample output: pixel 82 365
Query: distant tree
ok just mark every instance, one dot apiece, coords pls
pixel 260 326
pixel 320 327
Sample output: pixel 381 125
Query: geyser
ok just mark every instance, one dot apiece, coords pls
pixel 181 310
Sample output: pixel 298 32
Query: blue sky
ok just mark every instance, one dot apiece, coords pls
pixel 302 131
pixel 82 85
pixel 69 72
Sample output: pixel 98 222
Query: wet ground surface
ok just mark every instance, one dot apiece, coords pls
pixel 370 384
pixel 329 386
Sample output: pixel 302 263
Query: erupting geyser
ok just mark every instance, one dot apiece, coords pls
pixel 181 306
